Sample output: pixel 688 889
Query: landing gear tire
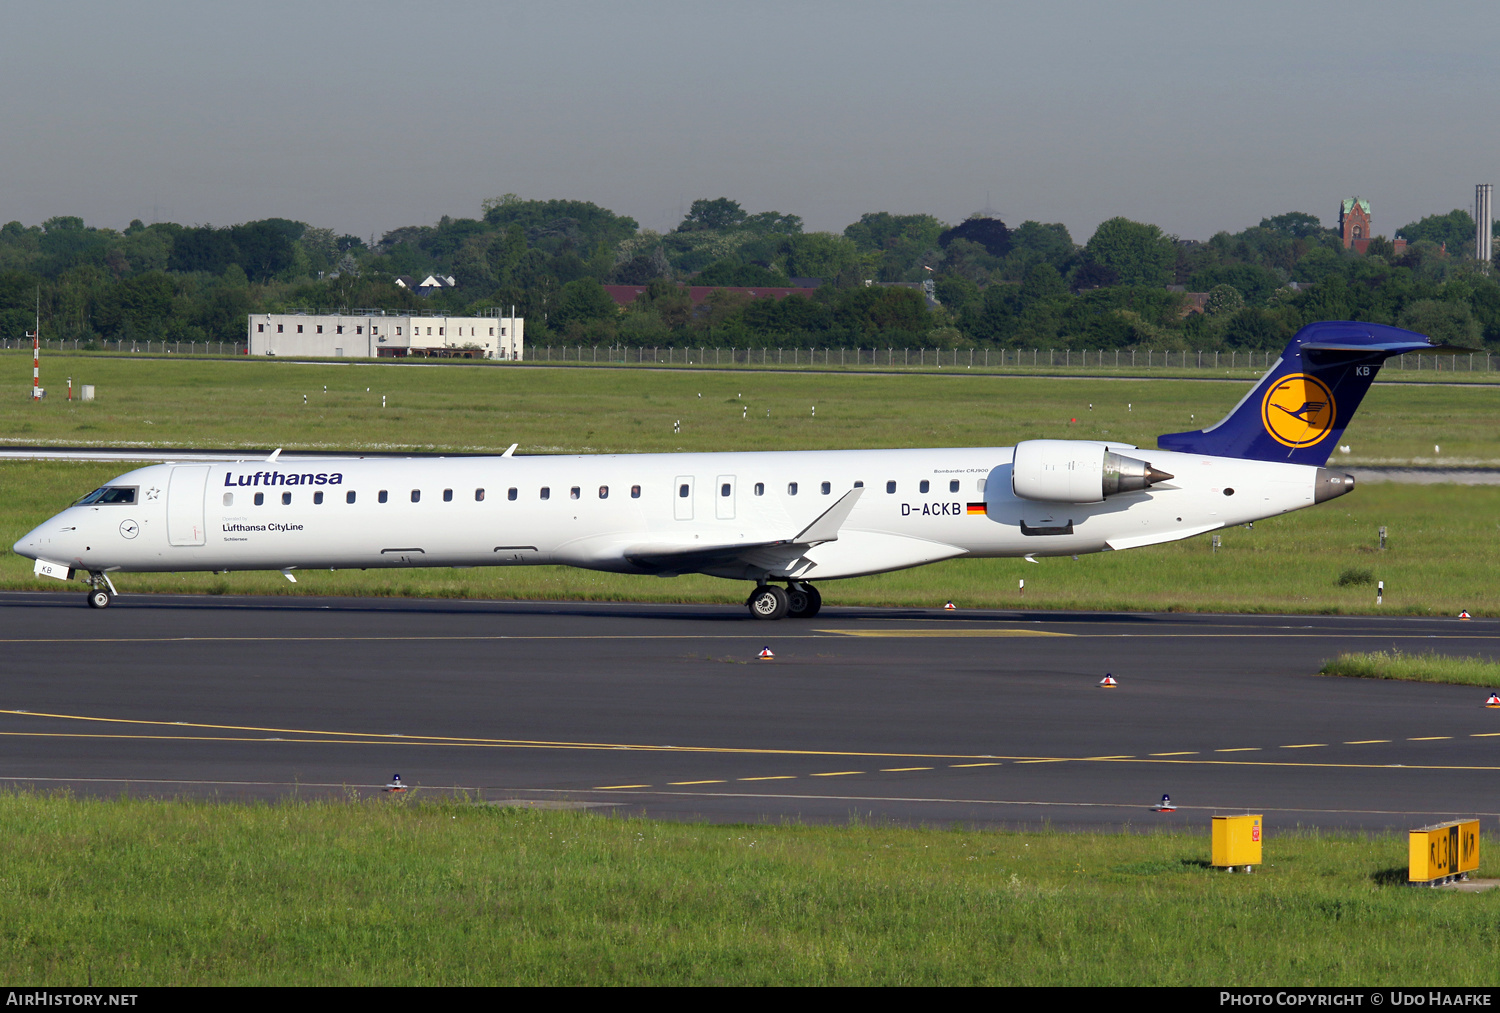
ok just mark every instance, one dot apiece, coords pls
pixel 99 598
pixel 769 602
pixel 803 602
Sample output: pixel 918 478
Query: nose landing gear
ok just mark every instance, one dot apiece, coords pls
pixel 101 591
pixel 800 601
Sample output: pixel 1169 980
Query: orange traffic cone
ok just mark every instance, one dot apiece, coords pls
pixel 1108 682
pixel 765 654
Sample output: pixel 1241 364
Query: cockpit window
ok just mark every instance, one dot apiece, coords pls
pixel 109 494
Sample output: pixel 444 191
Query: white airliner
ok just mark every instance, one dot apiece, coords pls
pixel 790 518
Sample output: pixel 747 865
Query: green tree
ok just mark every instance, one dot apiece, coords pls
pixel 1451 323
pixel 820 255
pixel 1137 253
pixel 1456 229
pixel 719 213
pixel 1296 224
pixel 989 233
pixel 1223 301
pixel 732 272
pixel 1051 242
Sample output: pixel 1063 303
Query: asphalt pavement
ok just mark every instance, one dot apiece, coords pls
pixel 914 716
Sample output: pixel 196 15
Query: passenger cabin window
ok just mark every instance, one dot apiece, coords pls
pixel 286 499
pixel 791 488
pixel 416 495
pixel 349 496
pixel 318 496
pixel 260 498
pixel 953 486
pixel 574 492
pixel 890 487
pixel 635 492
pixel 683 490
pixel 382 496
pixel 447 495
pixel 546 492
pixel 827 488
pixel 926 485
pixel 511 494
pixel 479 496
pixel 760 488
pixel 604 492
pixel 229 499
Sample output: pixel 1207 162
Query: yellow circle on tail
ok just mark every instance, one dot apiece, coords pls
pixel 1298 410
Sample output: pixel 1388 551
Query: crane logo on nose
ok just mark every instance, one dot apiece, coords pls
pixel 129 529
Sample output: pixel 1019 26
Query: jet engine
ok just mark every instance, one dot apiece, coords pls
pixel 1074 471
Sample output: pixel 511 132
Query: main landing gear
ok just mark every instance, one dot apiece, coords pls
pixel 800 601
pixel 101 593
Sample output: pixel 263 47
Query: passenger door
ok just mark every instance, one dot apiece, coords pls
pixel 185 490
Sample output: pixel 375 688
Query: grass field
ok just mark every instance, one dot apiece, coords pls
pixel 1427 667
pixel 1443 549
pixel 134 892
pixel 239 404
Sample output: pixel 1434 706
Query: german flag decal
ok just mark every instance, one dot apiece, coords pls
pixel 976 508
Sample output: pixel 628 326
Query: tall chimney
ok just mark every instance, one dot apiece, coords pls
pixel 1484 250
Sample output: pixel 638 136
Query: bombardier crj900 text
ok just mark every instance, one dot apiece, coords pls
pixel 776 519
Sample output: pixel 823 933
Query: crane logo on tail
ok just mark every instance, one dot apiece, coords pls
pixel 1298 410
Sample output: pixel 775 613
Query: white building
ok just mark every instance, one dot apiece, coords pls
pixel 374 334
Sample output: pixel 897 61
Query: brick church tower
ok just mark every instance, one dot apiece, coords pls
pixel 1354 223
pixel 1356 226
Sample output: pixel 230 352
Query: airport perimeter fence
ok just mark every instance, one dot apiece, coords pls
pixel 143 347
pixel 847 358
pixel 963 358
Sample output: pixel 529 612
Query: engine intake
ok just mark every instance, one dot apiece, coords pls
pixel 1072 471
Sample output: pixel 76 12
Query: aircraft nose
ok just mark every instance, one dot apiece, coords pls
pixel 48 539
pixel 28 545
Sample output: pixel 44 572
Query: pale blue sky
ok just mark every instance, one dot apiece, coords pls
pixel 367 116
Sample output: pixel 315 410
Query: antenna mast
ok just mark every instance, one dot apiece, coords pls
pixel 36 351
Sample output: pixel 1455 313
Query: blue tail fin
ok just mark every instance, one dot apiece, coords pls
pixel 1301 406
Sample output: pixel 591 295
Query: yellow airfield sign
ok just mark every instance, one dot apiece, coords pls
pixel 1442 851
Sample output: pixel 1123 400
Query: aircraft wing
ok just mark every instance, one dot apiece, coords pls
pixel 767 553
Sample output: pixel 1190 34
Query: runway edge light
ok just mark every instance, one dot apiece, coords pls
pixel 1465 614
pixel 395 785
pixel 950 607
pixel 1442 853
pixel 1494 700
pixel 765 654
pixel 1236 841
pixel 1108 682
pixel 1165 805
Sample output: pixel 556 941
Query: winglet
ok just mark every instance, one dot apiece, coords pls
pixel 274 454
pixel 510 451
pixel 826 527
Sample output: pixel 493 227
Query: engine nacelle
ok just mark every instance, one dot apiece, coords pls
pixel 1072 471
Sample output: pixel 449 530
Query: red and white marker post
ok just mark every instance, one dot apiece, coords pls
pixel 36 364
